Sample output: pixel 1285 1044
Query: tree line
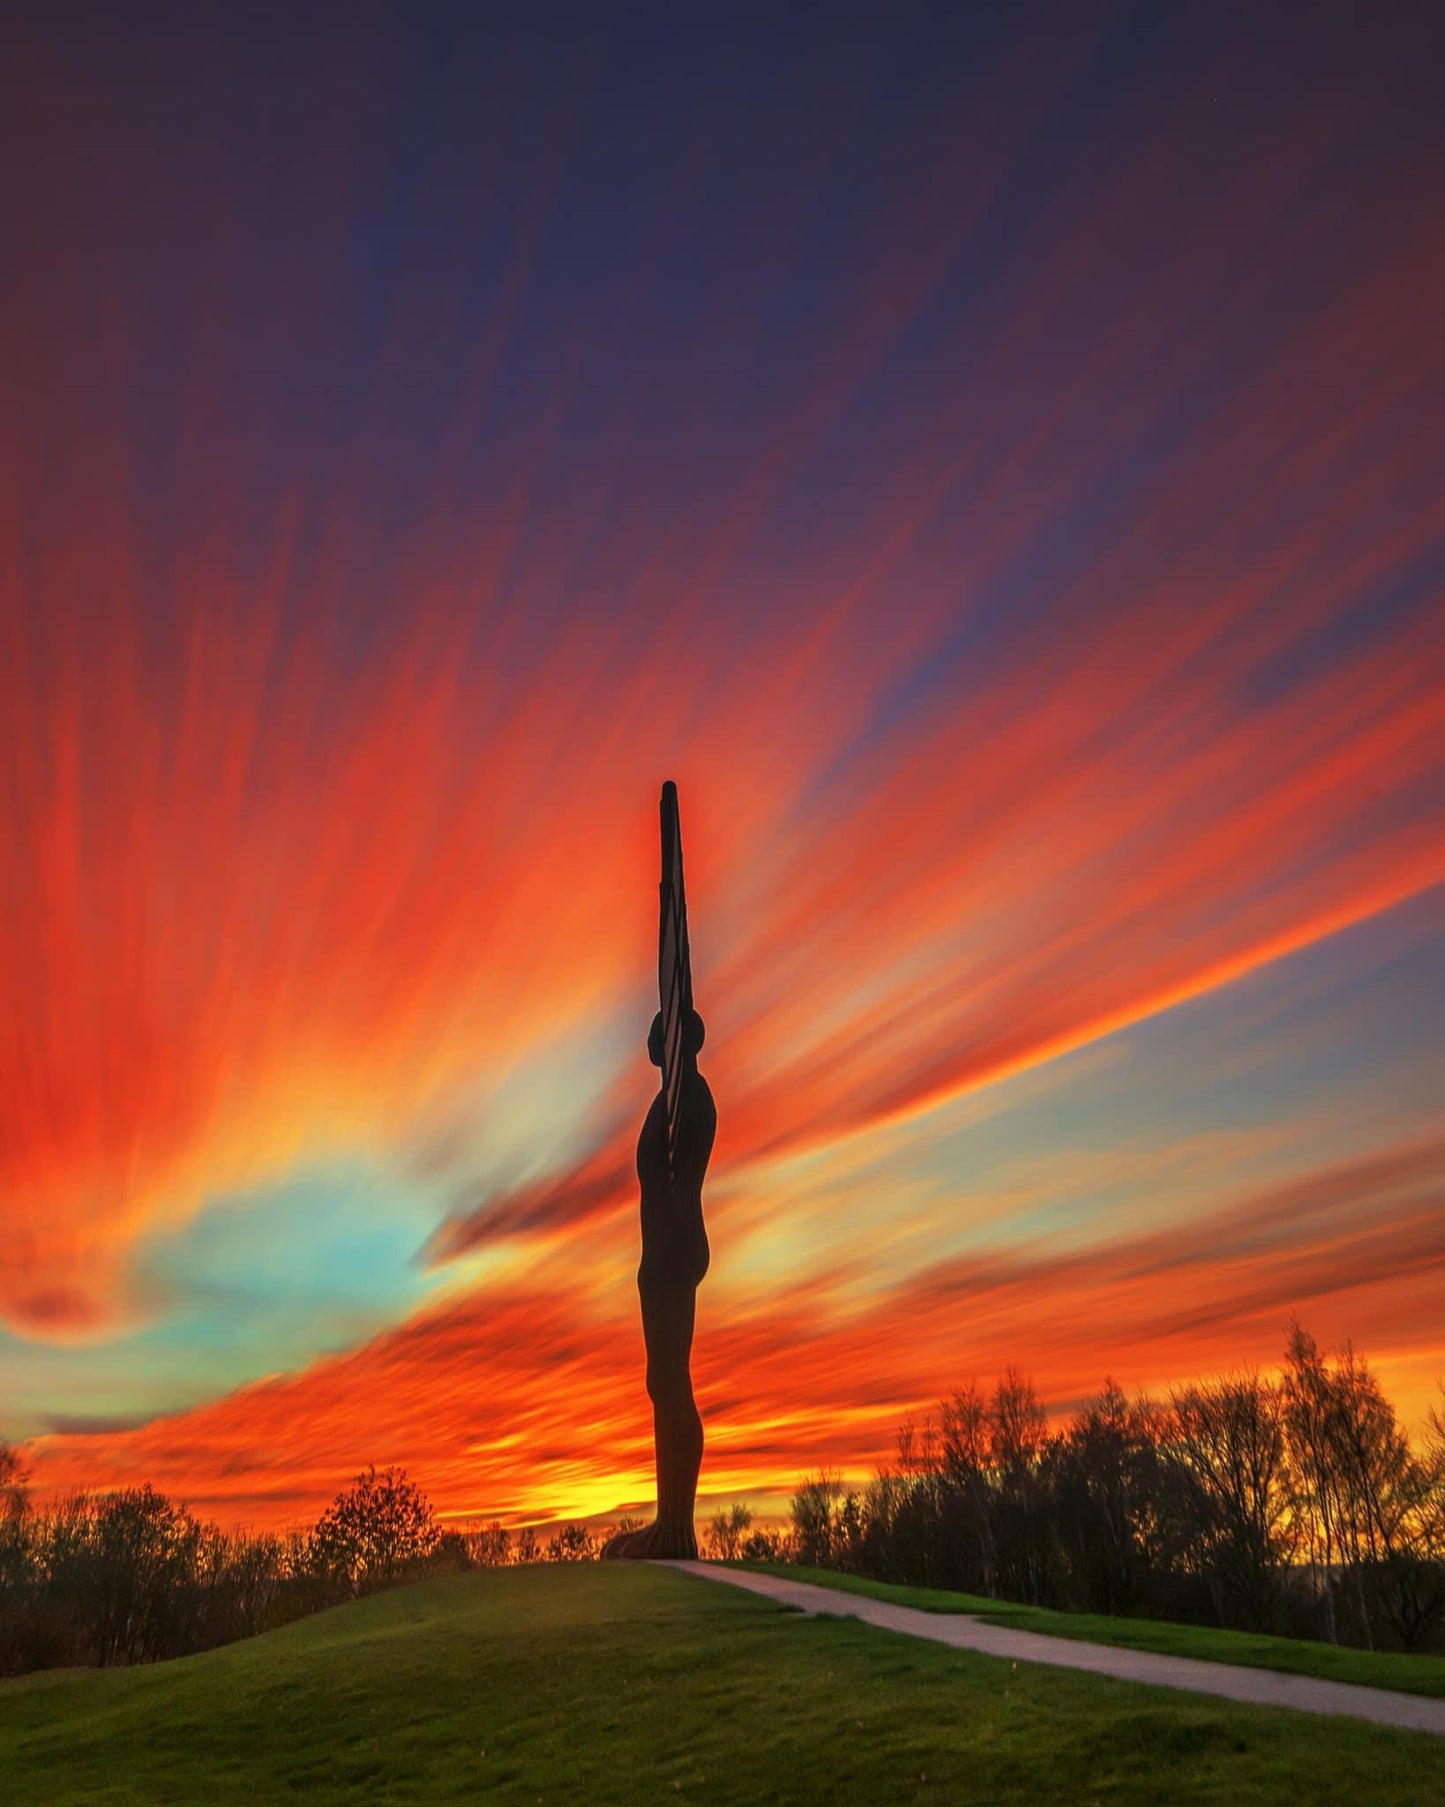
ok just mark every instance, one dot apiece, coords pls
pixel 130 1576
pixel 1295 1506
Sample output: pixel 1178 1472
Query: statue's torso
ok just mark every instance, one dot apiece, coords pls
pixel 674 1241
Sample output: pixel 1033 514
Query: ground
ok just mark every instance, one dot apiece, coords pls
pixel 624 1683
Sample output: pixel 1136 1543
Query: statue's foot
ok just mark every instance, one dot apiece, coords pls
pixel 672 1542
pixel 623 1546
pixel 661 1541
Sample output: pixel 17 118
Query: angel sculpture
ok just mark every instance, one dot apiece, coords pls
pixel 672 1157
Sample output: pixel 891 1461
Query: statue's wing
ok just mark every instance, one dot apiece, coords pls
pixel 674 963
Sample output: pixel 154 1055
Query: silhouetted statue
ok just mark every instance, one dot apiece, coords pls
pixel 672 1157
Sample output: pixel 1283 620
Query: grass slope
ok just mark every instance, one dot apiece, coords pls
pixel 1297 1656
pixel 629 1684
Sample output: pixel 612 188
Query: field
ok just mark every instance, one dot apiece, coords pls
pixel 1296 1656
pixel 628 1684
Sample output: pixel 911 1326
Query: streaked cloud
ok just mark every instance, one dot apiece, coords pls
pixel 1028 564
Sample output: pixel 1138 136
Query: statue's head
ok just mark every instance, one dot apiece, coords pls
pixel 694 1033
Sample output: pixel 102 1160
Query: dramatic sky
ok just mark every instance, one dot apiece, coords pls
pixel 990 457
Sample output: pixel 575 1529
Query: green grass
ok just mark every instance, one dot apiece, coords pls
pixel 628 1684
pixel 1369 1669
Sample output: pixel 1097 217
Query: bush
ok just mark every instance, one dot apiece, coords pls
pixel 727 1532
pixel 572 1543
pixel 767 1546
pixel 489 1548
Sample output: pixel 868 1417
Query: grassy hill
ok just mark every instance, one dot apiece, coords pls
pixel 629 1684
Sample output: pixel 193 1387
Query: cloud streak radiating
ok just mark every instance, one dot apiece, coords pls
pixel 999 486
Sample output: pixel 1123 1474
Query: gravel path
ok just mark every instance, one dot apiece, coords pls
pixel 1256 1687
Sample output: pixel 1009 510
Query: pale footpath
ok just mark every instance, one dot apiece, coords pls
pixel 1256 1687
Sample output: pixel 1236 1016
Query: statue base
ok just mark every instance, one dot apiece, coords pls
pixel 658 1542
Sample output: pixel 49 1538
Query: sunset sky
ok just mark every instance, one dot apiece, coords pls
pixel 990 457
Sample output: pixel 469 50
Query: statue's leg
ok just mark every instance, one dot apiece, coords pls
pixel 683 1444
pixel 677 1431
pixel 668 1316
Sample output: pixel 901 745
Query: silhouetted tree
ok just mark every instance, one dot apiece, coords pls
pixel 1195 1512
pixel 967 1465
pixel 134 1563
pixel 374 1531
pixel 1229 1437
pixel 1104 1478
pixel 14 1512
pixel 491 1547
pixel 1018 1431
pixel 1314 1483
pixel 572 1543
pixel 725 1534
pixel 815 1509
pixel 1386 1511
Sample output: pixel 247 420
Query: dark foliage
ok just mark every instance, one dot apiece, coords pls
pixel 126 1577
pixel 1297 1508
pixel 130 1577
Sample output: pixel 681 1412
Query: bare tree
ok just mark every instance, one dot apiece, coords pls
pixel 1018 1425
pixel 1229 1436
pixel 1388 1506
pixel 967 1455
pixel 1018 1431
pixel 1308 1409
pixel 1104 1481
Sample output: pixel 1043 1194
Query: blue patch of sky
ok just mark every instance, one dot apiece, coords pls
pixel 1327 1056
pixel 329 1248
pixel 256 1283
pixel 267 1280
